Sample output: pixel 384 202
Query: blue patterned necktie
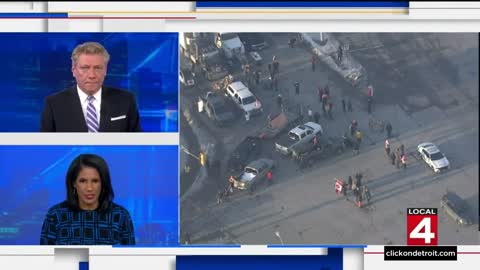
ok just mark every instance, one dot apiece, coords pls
pixel 92 122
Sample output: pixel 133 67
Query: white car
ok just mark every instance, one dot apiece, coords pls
pixel 433 157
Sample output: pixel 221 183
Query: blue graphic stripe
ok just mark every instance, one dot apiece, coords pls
pixel 316 246
pixel 332 261
pixel 83 266
pixel 34 15
pixel 300 4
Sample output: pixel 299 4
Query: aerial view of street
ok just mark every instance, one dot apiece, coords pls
pixel 327 138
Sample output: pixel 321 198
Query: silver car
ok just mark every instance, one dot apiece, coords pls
pixel 253 173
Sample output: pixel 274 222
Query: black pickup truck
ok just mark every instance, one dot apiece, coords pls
pixel 325 148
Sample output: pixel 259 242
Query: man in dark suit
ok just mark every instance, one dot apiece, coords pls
pixel 90 106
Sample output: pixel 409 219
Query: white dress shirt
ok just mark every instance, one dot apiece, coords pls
pixel 96 103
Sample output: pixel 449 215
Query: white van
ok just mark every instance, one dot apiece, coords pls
pixel 242 96
pixel 231 45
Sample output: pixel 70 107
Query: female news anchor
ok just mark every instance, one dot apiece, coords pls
pixel 88 216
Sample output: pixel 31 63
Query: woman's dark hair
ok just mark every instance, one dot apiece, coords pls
pixel 89 161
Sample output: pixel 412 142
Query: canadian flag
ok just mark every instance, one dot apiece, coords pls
pixel 338 186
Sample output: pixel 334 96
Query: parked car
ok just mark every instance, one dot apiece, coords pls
pixel 253 41
pixel 218 110
pixel 456 208
pixel 433 157
pixel 253 173
pixel 186 77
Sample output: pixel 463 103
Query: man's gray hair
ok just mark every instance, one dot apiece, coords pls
pixel 89 48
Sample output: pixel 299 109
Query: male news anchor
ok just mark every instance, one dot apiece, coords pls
pixel 90 106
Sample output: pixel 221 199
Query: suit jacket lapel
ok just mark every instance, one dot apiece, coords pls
pixel 104 111
pixel 77 117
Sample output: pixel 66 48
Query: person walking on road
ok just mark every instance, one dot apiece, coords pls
pixel 327 90
pixel 349 106
pixel 316 116
pixel 219 197
pixel 344 189
pixel 350 182
pixel 320 93
pixel 315 140
pixel 398 158
pixel 369 98
pixel 353 127
pixel 276 65
pixel 330 108
pixel 291 42
pixel 340 53
pixel 297 88
pixel 404 161
pixel 359 136
pixel 389 130
pixel 387 147
pixel 366 194
pixel 344 108
pixel 392 158
pixel 279 101
pixel 359 177
pixel 269 177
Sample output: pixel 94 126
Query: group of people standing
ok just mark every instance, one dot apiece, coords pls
pixel 358 190
pixel 398 157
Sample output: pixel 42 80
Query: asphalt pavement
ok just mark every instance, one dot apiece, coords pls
pixel 426 85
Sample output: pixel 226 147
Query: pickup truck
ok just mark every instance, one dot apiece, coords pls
pixel 277 123
pixel 456 208
pixel 253 173
pixel 297 136
pixel 326 147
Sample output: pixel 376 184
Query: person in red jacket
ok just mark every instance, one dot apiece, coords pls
pixel 269 177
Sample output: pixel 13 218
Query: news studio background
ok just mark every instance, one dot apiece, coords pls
pixel 146 187
pixel 406 64
pixel 37 65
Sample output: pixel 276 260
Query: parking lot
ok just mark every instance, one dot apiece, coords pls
pixel 426 85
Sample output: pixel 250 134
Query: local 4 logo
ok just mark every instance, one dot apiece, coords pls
pixel 422 227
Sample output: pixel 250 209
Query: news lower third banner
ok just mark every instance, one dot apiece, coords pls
pixel 420 253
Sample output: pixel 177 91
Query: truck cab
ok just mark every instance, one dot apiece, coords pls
pixel 297 136
pixel 231 45
pixel 254 172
